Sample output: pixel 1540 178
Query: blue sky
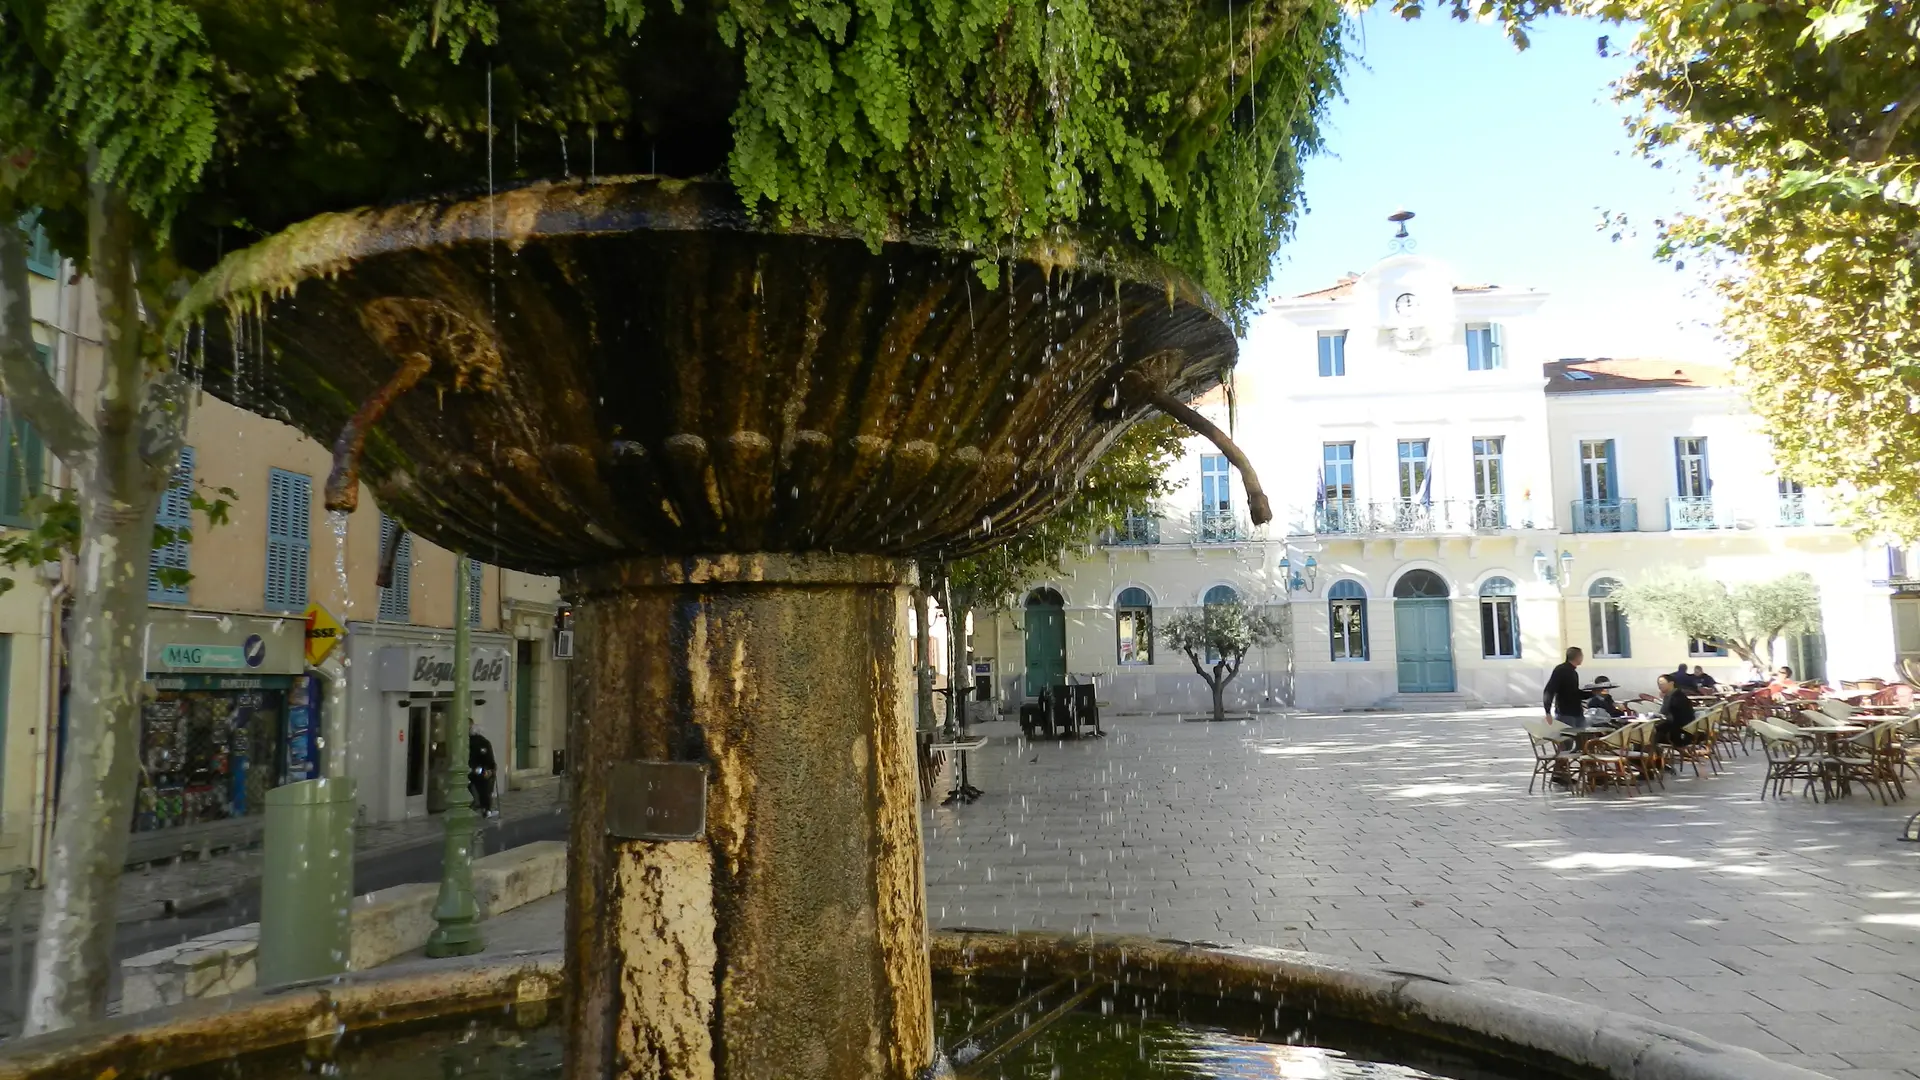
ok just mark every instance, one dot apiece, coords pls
pixel 1510 160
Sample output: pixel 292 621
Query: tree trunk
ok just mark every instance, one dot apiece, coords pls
pixel 119 487
pixel 922 661
pixel 1219 698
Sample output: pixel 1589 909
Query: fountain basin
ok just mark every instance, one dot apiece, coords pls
pixel 1519 1032
pixel 639 367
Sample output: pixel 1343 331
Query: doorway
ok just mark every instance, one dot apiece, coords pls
pixel 1423 633
pixel 1046 641
pixel 427 756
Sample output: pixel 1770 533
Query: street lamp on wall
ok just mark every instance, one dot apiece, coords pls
pixel 1543 567
pixel 1303 579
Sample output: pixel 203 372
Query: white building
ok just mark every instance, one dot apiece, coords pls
pixel 1451 507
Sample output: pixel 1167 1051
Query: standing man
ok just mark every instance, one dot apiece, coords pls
pixel 482 772
pixel 1563 698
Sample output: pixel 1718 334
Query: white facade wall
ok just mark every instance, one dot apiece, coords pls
pixel 1407 377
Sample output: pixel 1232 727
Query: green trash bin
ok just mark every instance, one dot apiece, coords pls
pixel 306 888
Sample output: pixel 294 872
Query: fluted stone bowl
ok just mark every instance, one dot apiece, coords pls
pixel 638 367
pixel 1530 1034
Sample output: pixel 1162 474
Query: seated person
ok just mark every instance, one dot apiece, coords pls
pixel 1676 712
pixel 1600 696
pixel 1704 681
pixel 1781 686
pixel 1683 679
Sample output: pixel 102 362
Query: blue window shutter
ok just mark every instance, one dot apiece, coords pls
pixel 1613 477
pixel 289 539
pixel 41 258
pixel 1326 356
pixel 175 512
pixel 22 459
pixel 1496 346
pixel 396 602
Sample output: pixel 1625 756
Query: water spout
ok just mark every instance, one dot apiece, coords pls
pixel 1136 387
pixel 343 483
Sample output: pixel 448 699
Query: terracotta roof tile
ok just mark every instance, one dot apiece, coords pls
pixel 1343 287
pixel 1609 374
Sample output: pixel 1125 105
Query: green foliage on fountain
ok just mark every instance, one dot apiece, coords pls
pixel 1173 125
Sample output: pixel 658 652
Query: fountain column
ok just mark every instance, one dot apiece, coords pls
pixel 787 939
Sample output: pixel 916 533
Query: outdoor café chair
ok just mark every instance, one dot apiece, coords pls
pixel 1873 758
pixel 1550 759
pixel 1836 709
pixel 1699 746
pixel 1605 759
pixel 1787 758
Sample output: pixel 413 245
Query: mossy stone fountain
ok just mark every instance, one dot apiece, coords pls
pixel 729 438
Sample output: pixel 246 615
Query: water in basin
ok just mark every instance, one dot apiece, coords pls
pixel 991 1028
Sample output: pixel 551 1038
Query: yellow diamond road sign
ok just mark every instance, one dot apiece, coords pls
pixel 323 633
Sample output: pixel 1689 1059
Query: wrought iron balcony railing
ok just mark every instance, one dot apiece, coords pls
pixel 1339 516
pixel 1693 512
pixel 1488 512
pixel 1219 527
pixel 1136 532
pixel 1601 515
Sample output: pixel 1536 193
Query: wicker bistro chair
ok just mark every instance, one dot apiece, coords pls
pixel 1872 759
pixel 1550 758
pixel 1608 759
pixel 1640 745
pixel 1699 745
pixel 1789 758
pixel 1730 727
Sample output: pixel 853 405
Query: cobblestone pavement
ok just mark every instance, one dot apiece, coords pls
pixel 1784 925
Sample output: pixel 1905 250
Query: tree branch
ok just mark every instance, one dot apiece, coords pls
pixel 1136 386
pixel 1875 145
pixel 29 387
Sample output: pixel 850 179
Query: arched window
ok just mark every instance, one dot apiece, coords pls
pixel 1606 621
pixel 1347 619
pixel 1499 621
pixel 1134 609
pixel 1420 584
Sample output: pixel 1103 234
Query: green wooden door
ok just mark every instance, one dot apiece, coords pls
pixel 1046 645
pixel 1423 641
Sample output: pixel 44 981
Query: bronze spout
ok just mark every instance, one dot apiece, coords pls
pixel 343 482
pixel 1136 386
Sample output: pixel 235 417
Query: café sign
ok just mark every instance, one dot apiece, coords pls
pixel 428 669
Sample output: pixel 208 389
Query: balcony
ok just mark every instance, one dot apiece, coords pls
pixel 1408 516
pixel 1218 527
pixel 1487 513
pixel 1136 531
pixel 1693 512
pixel 1604 516
pixel 1339 516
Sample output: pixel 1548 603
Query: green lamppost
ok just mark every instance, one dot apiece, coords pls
pixel 459 917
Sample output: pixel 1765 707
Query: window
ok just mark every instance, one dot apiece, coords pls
pixel 1337 472
pixel 1499 621
pixel 1489 483
pixel 1897 563
pixel 289 501
pixel 1415 480
pixel 22 460
pixel 1696 647
pixel 1347 619
pixel 1486 346
pixel 1219 594
pixel 473 592
pixel 1420 584
pixel 396 601
pixel 1690 467
pixel 1596 472
pixel 1607 623
pixel 1793 502
pixel 176 513
pixel 1216 491
pixel 1333 353
pixel 1135 611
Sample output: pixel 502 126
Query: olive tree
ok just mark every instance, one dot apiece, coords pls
pixel 1747 618
pixel 1217 638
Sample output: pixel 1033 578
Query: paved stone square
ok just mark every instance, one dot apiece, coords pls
pixel 1784 925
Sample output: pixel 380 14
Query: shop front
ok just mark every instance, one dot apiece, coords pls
pixel 228 714
pixel 403 705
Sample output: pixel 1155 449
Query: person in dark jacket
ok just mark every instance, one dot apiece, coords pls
pixel 1600 696
pixel 1676 712
pixel 481 772
pixel 1682 678
pixel 1562 698
pixel 1703 681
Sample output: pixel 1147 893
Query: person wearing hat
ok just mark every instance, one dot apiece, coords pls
pixel 1600 696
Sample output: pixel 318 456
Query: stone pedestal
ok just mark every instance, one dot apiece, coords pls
pixel 789 940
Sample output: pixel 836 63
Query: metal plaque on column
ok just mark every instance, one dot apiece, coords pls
pixel 657 800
